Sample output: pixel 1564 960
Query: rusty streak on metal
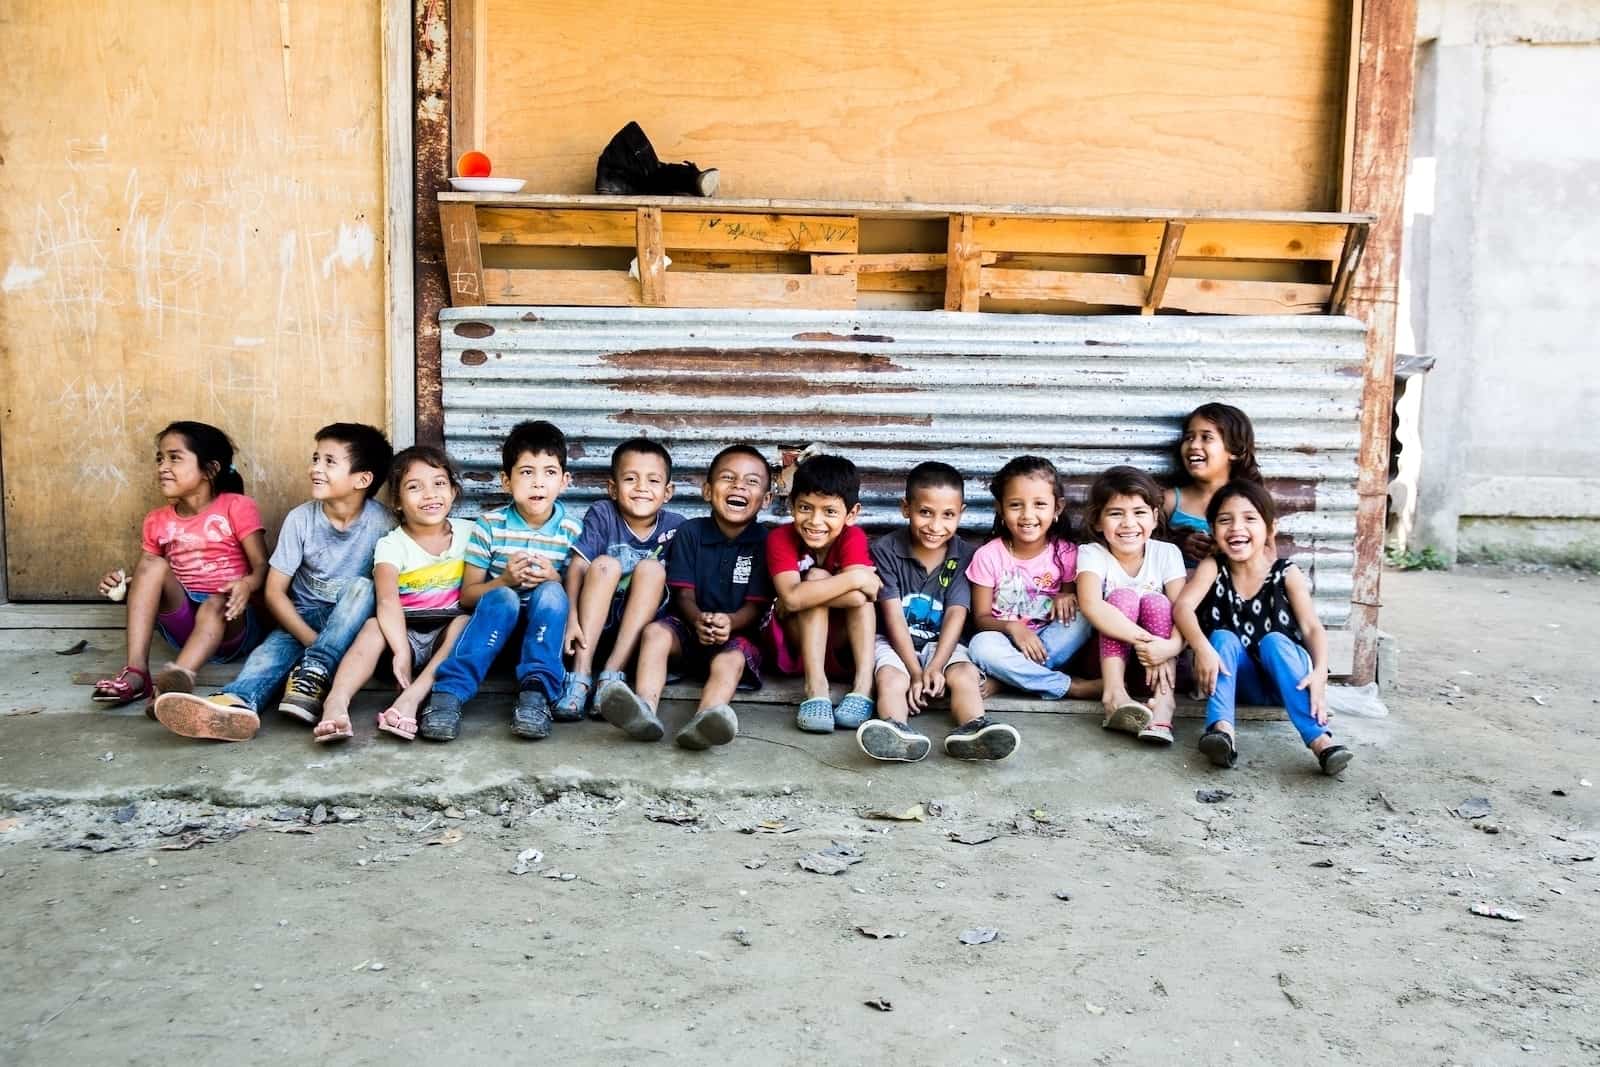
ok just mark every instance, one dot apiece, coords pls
pixel 709 385
pixel 1384 84
pixel 475 330
pixel 807 423
pixel 829 335
pixel 814 360
pixel 431 31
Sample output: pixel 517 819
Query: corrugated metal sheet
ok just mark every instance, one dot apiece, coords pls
pixel 889 389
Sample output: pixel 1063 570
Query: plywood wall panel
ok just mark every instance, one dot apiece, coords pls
pixel 190 227
pixel 1157 103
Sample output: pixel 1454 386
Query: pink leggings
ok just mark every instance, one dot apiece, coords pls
pixel 1152 611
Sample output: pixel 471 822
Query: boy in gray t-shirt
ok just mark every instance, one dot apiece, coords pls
pixel 319 591
pixel 924 605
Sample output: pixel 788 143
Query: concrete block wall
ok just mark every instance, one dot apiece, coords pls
pixel 1502 278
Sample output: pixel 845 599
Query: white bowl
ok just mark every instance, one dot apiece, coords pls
pixel 488 185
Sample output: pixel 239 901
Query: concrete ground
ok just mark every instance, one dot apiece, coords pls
pixel 169 898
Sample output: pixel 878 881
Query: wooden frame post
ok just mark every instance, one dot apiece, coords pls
pixel 399 227
pixel 431 146
pixel 1380 155
pixel 963 266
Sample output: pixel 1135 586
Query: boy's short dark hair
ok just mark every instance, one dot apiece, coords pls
pixel 740 449
pixel 827 476
pixel 934 475
pixel 369 450
pixel 643 446
pixel 537 437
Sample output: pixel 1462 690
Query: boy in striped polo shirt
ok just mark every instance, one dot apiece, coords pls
pixel 512 586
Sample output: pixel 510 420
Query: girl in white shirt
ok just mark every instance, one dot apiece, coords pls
pixel 1127 584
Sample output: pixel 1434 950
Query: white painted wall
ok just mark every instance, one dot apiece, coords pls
pixel 1502 277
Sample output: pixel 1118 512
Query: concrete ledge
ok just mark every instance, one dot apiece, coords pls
pixel 786 692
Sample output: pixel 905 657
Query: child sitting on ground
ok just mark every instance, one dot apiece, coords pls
pixel 825 587
pixel 1254 629
pixel 616 580
pixel 319 592
pixel 512 585
pixel 720 593
pixel 1024 605
pixel 924 604
pixel 1218 445
pixel 203 561
pixel 417 569
pixel 1126 585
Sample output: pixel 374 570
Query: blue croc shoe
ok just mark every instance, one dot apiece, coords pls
pixel 815 715
pixel 852 711
pixel 574 699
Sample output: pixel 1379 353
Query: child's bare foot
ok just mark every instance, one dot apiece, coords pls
pixel 989 687
pixel 335 726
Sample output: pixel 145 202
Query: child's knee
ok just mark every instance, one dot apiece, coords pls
pixel 213 608
pixel 547 595
pixel 988 645
pixel 1225 642
pixel 892 682
pixel 816 574
pixel 729 663
pixel 962 675
pixel 656 635
pixel 1124 600
pixel 605 569
pixel 649 570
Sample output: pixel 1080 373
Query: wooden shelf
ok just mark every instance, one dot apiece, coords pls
pixel 808 254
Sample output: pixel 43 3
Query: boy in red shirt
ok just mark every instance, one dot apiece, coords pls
pixel 826 590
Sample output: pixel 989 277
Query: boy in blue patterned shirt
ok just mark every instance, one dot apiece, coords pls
pixel 512 586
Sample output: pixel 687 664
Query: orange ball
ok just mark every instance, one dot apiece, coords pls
pixel 472 165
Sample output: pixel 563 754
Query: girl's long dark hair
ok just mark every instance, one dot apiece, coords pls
pixel 210 446
pixel 1238 437
pixel 1029 467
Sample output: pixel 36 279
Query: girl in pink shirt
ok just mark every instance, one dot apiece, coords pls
pixel 1024 606
pixel 204 558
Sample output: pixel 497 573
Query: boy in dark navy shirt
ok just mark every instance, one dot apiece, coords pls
pixel 720 590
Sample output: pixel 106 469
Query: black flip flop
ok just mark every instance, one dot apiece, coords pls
pixel 1334 759
pixel 1217 746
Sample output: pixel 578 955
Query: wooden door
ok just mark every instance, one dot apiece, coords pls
pixel 190 226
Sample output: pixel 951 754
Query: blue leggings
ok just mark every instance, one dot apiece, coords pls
pixel 1272 681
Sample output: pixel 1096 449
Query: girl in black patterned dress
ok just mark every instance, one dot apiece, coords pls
pixel 1255 633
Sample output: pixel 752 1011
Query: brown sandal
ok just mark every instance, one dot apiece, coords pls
pixel 119 690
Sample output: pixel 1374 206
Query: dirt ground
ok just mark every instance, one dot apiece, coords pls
pixel 1301 919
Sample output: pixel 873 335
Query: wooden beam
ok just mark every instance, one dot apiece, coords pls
pixel 1263 240
pixel 879 209
pixel 683 289
pixel 1005 283
pixel 652 257
pixel 430 144
pixel 1089 237
pixel 879 264
pixel 714 231
pixel 1215 296
pixel 469 73
pixel 1379 160
pixel 1347 125
pixel 963 266
pixel 558 228
pixel 1355 241
pixel 462 259
pixel 693 289
pixel 1171 238
pixel 399 228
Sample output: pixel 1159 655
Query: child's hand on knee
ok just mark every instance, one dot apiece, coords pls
pixel 1065 607
pixel 1026 640
pixel 933 684
pixel 238 598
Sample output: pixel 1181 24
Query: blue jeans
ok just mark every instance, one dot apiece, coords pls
pixel 1272 681
pixel 500 614
pixel 337 626
pixel 997 657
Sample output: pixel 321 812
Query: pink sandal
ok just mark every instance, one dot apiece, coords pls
pixel 401 727
pixel 120 690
